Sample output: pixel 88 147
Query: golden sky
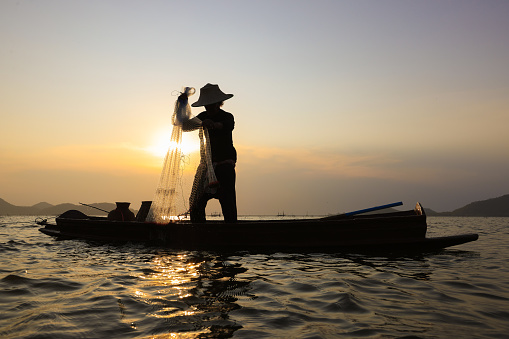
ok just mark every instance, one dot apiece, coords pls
pixel 339 105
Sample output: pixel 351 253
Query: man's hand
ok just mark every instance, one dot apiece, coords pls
pixel 183 98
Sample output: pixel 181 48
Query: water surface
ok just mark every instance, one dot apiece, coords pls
pixel 77 289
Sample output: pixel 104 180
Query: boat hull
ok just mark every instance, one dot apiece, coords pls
pixel 392 231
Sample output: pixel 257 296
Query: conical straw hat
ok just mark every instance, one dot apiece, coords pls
pixel 211 94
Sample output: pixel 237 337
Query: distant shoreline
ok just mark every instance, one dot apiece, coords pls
pixel 495 207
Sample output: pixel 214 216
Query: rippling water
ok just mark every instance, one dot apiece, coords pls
pixel 79 289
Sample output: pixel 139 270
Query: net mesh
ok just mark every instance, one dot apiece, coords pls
pixel 168 203
pixel 205 180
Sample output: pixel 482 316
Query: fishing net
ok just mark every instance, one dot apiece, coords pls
pixel 169 200
pixel 205 180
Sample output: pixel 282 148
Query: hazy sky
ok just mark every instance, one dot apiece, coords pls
pixel 339 105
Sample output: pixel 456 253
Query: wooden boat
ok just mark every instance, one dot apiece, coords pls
pixel 402 230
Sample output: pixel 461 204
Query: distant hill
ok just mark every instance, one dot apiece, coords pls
pixel 495 207
pixel 429 212
pixel 42 205
pixel 9 209
pixel 44 208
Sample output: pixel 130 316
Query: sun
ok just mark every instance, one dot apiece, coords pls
pixel 161 143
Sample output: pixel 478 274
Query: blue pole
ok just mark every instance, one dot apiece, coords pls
pixel 375 208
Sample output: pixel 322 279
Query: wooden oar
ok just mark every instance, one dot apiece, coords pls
pixel 371 209
pixel 97 208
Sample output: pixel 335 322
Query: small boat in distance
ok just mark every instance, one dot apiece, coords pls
pixel 400 230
